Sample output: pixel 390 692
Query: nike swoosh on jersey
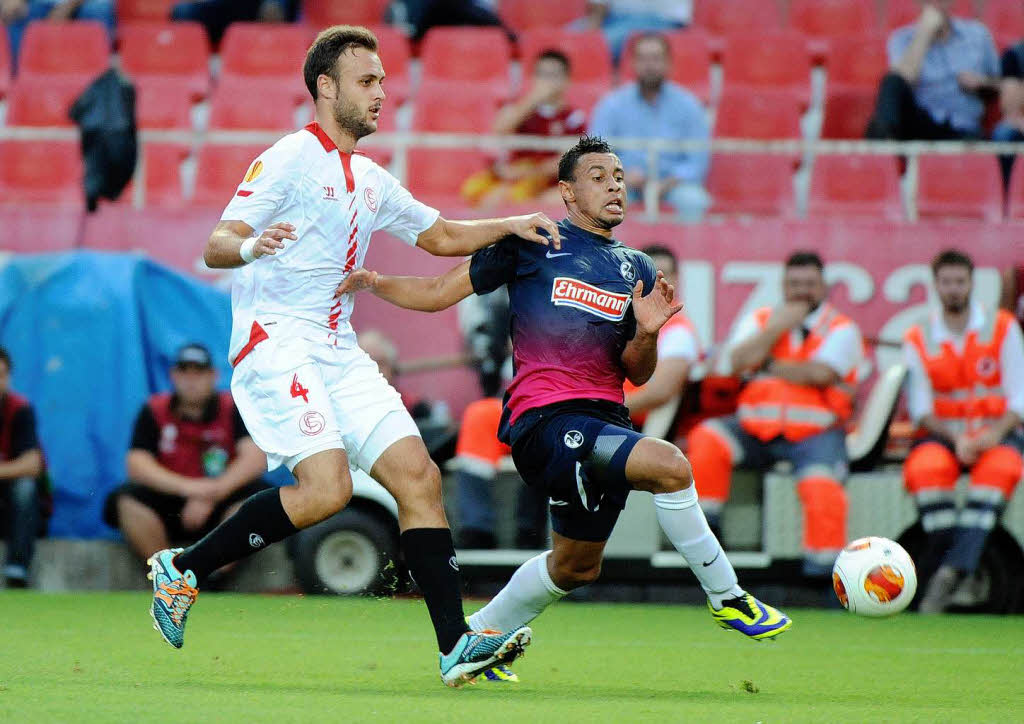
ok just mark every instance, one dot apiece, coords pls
pixel 549 255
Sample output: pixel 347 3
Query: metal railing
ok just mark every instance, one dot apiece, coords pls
pixel 400 142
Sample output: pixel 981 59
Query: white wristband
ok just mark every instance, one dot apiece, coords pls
pixel 246 249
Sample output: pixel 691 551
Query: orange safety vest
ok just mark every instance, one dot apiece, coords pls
pixel 770 406
pixel 967 386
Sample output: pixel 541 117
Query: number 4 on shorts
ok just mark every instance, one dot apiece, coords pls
pixel 298 390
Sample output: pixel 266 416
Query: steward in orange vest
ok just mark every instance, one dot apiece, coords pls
pixel 804 358
pixel 965 392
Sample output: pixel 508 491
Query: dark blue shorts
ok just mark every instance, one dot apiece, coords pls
pixel 575 453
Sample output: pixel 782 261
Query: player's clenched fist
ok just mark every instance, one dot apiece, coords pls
pixel 529 227
pixel 272 239
pixel 656 308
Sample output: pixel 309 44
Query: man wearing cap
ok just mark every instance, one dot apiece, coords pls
pixel 190 464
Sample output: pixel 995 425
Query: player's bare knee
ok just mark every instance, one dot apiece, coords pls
pixel 678 475
pixel 336 497
pixel 570 574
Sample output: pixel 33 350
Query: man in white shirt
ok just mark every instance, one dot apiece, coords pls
pixel 965 393
pixel 311 398
pixel 802 359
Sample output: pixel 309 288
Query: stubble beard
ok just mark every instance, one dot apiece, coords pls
pixel 352 120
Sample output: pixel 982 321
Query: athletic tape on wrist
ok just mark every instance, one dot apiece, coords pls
pixel 246 250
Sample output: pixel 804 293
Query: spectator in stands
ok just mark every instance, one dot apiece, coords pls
pixel 965 392
pixel 22 478
pixel 484 320
pixel 216 15
pixel 678 349
pixel 1011 102
pixel 17 14
pixel 543 111
pixel 191 461
pixel 941 67
pixel 422 15
pixel 1012 293
pixel 656 108
pixel 618 19
pixel 802 358
pixel 432 417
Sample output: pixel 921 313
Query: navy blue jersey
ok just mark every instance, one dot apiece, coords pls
pixel 571 314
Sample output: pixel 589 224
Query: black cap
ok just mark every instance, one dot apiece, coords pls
pixel 194 355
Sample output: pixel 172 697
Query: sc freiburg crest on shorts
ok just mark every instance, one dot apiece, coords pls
pixel 569 292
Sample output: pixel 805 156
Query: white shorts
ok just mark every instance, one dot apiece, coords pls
pixel 298 398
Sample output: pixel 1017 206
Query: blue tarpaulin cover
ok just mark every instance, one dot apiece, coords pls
pixel 91 336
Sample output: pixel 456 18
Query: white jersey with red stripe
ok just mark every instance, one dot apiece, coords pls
pixel 335 201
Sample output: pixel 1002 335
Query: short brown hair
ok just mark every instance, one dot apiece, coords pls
pixel 952 257
pixel 322 56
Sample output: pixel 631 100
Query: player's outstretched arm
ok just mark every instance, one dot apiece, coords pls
pixel 233 244
pixel 640 356
pixel 462 238
pixel 424 294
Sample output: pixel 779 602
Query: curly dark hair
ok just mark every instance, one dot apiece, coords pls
pixel 322 56
pixel 587 144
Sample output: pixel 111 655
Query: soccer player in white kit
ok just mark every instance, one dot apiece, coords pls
pixel 312 400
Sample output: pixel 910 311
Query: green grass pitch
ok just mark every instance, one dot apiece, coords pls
pixel 95 657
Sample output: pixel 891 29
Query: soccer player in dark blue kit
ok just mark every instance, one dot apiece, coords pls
pixel 584 318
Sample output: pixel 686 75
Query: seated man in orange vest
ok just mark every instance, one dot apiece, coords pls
pixel 965 391
pixel 190 464
pixel 802 358
pixel 678 349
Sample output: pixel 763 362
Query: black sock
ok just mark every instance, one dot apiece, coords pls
pixel 430 556
pixel 259 522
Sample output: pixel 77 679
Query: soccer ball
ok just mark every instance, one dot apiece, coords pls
pixel 874 577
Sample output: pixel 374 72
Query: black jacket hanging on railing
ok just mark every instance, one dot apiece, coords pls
pixel 105 114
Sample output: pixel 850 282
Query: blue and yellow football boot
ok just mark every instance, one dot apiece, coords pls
pixel 174 593
pixel 750 617
pixel 477 651
pixel 500 674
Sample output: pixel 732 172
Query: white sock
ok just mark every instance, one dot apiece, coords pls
pixel 528 592
pixel 685 525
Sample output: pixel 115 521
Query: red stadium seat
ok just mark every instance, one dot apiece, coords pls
pixel 847 112
pixel 858 61
pixel 1015 198
pixel 133 11
pixel 440 172
pixel 588 53
pixel 768 59
pixel 1005 20
pixel 5 65
pixel 35 103
pixel 175 237
pixel 905 12
pixel 523 15
pixel 40 228
pixel 751 184
pixel 267 53
pixel 179 50
pixel 394 55
pixel 960 186
pixel 691 62
pixel 163 103
pixel 833 18
pixel 855 186
pixel 41 171
pixel 78 48
pixel 161 167
pixel 742 114
pixel 727 16
pixel 465 54
pixel 322 13
pixel 220 169
pixel 237 104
